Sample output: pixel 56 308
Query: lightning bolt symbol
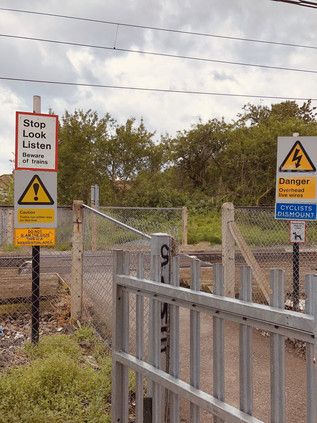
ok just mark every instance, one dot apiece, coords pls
pixel 296 158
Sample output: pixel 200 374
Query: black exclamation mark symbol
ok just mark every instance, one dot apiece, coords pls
pixel 36 190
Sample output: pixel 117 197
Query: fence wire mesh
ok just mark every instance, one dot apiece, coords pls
pixel 51 304
pixel 269 240
pixel 102 235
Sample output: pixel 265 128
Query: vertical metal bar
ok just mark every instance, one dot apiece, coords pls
pixel 35 293
pixel 218 342
pixel 139 342
pixel 156 330
pixel 277 352
pixel 311 350
pixel 295 276
pixel 245 345
pixel 174 343
pixel 195 341
pixel 161 246
pixel 120 373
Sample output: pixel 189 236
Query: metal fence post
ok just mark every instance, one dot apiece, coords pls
pixel 184 225
pixel 277 352
pixel 245 345
pixel 311 350
pixel 139 315
pixel 120 336
pixel 174 340
pixel 218 342
pixel 77 260
pixel 160 250
pixel 195 342
pixel 228 245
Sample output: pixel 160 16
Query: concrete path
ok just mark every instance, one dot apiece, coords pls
pixel 295 372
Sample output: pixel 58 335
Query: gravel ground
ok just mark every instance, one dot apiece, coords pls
pixel 16 331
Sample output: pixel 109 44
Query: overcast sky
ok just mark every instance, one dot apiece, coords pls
pixel 163 112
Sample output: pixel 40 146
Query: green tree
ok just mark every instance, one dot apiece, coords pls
pixel 7 190
pixel 196 155
pixel 77 171
pixel 95 150
pixel 250 157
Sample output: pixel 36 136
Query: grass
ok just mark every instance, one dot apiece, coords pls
pixel 9 248
pixel 67 380
pixel 205 227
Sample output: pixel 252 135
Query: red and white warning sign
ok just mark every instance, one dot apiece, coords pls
pixel 36 141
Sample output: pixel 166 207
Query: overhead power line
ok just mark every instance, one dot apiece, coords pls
pixel 157 90
pixel 305 3
pixel 176 31
pixel 151 53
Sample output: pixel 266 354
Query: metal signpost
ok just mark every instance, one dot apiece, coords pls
pixel 35 191
pixel 296 195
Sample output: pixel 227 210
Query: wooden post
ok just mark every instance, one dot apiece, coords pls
pixel 228 244
pixel 184 226
pixel 77 260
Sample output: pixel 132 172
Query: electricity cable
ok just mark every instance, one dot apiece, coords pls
pixel 176 31
pixel 311 4
pixel 158 90
pixel 151 53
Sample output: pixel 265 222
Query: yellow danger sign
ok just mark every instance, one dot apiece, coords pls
pixel 35 193
pixel 23 237
pixel 297 160
pixel 296 188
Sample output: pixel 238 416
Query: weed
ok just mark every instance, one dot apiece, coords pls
pixel 58 385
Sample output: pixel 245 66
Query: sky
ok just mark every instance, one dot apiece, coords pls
pixel 214 31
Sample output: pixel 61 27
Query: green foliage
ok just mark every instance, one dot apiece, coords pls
pixel 9 248
pixel 204 227
pixel 58 385
pixel 211 163
pixel 7 190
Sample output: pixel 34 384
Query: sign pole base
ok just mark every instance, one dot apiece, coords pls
pixel 35 293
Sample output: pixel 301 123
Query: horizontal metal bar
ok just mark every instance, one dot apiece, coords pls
pixel 203 400
pixel 117 222
pixel 283 322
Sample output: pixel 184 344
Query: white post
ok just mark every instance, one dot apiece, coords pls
pixel 160 248
pixel 77 260
pixel 228 245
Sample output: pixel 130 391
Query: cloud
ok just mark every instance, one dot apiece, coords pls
pixel 162 112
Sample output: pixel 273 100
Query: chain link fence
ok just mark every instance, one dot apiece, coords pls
pixel 269 240
pixel 20 312
pixel 74 272
pixel 129 229
pixel 77 271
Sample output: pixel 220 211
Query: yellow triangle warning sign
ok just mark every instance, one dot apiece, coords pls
pixel 35 193
pixel 297 160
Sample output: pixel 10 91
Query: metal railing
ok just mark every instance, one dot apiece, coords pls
pixel 274 320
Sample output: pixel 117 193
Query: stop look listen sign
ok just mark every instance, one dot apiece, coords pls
pixel 36 141
pixel 35 188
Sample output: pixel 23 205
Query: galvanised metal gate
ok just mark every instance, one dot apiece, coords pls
pixel 273 319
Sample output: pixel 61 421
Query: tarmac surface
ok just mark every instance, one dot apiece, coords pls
pixel 295 371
